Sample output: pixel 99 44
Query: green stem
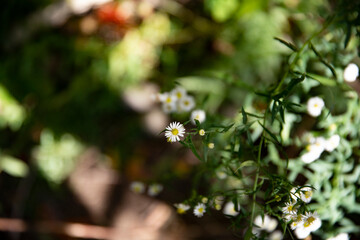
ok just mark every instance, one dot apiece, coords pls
pixel 296 58
pixel 257 173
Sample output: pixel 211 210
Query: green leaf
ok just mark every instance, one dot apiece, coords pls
pixel 244 115
pixel 289 45
pixel 290 86
pixel 323 80
pixel 348 35
pixel 270 133
pixel 323 60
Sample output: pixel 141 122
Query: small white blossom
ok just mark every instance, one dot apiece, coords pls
pixel 211 145
pixel 174 131
pixel 202 132
pixel 181 207
pixel 306 194
pixel 297 220
pixel 199 210
pixel 315 106
pixel 178 92
pixel 229 209
pixel 277 235
pixel 167 98
pixel 169 107
pixel 301 233
pixel 186 103
pixel 332 143
pixel 311 221
pixel 155 189
pixel 269 224
pixel 314 150
pixel 198 115
pixel 289 208
pixel 137 187
pixel 341 236
pixel 351 72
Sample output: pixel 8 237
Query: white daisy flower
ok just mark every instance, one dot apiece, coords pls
pixel 199 210
pixel 202 132
pixel 314 150
pixel 332 143
pixel 167 98
pixel 289 208
pixel 311 221
pixel 269 224
pixel 302 233
pixel 137 187
pixel 277 235
pixel 229 209
pixel 179 92
pixel 155 189
pixel 297 220
pixel 306 194
pixel 351 72
pixel 169 107
pixel 186 103
pixel 174 131
pixel 181 207
pixel 341 236
pixel 315 105
pixel 198 115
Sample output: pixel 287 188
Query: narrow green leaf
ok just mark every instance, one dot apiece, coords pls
pixel 244 115
pixel 290 86
pixel 270 133
pixel 348 35
pixel 323 80
pixel 289 45
pixel 323 60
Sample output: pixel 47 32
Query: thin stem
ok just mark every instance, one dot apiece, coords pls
pixel 257 172
pixel 298 53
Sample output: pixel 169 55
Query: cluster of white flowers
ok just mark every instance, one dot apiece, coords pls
pixel 177 100
pixel 267 224
pixel 199 209
pixel 317 145
pixel 139 187
pixel 302 224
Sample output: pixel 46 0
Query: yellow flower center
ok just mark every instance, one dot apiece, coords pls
pixel 178 94
pixel 175 131
pixel 186 103
pixel 201 210
pixel 309 221
pixel 308 194
pixel 168 100
pixel 180 210
pixel 316 105
pixel 290 208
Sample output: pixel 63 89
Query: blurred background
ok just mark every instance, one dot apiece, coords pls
pixel 78 122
